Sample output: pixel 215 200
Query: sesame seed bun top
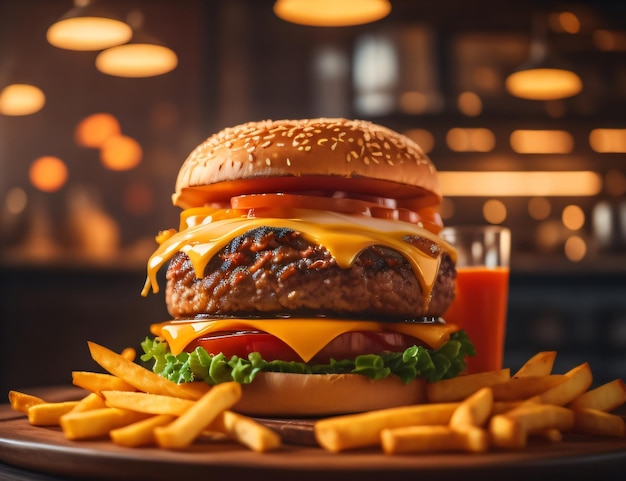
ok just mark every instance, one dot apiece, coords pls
pixel 307 155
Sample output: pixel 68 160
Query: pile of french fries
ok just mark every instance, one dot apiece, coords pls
pixel 473 413
pixel 488 410
pixel 135 407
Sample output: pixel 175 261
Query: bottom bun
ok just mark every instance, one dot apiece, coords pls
pixel 275 394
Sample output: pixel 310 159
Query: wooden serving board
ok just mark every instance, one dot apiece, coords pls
pixel 46 450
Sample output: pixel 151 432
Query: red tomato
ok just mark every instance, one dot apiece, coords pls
pixel 345 346
pixel 378 207
pixel 295 201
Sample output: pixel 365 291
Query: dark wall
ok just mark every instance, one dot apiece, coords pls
pixel 47 315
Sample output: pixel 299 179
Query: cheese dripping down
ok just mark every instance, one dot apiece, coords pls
pixel 204 231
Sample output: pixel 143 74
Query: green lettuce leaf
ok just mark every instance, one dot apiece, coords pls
pixel 446 362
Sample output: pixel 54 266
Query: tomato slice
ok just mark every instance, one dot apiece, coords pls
pixel 295 201
pixel 378 207
pixel 346 346
pixel 242 343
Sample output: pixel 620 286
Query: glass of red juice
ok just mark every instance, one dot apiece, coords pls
pixel 481 291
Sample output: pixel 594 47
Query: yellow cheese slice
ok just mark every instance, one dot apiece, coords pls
pixel 205 231
pixel 305 336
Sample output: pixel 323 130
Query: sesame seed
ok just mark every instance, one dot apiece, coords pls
pixel 268 162
pixel 321 141
pixel 266 144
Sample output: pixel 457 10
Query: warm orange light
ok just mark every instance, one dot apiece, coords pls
pixel 121 153
pixel 21 99
pixel 48 173
pixel 88 33
pixel 470 140
pixel 470 104
pixel 16 201
pixel 566 22
pixel 423 138
pixel 95 129
pixel 608 140
pixel 573 217
pixel 542 142
pixel 332 13
pixel 544 84
pixel 523 183
pixel 575 248
pixel 539 208
pixel 137 60
pixel 413 102
pixel 494 211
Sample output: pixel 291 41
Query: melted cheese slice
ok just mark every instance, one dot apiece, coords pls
pixel 305 336
pixel 205 231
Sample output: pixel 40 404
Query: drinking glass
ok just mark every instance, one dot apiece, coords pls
pixel 482 290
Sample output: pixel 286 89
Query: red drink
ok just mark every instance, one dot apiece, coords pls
pixel 480 308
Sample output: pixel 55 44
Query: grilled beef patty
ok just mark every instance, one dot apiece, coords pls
pixel 275 271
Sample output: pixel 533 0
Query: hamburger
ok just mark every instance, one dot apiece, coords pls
pixel 307 266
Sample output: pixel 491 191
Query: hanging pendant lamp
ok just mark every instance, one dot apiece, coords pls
pixel 543 76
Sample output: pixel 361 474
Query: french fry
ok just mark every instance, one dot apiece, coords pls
pixel 140 433
pixel 182 431
pixel 129 353
pixel 577 382
pixel 540 364
pixel 459 388
pixel 598 423
pixel 89 403
pixel 21 401
pixel 473 411
pixel 246 431
pixel 606 397
pixel 511 430
pixel 97 423
pixel 141 378
pixel 98 382
pixel 147 403
pixel 49 414
pixel 352 431
pixel 428 439
pixel 522 388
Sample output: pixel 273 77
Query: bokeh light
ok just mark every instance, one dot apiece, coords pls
pixel 575 248
pixel 93 131
pixel 48 173
pixel 121 153
pixel 539 208
pixel 573 217
pixel 494 211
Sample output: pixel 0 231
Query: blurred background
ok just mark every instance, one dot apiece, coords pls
pixel 90 149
